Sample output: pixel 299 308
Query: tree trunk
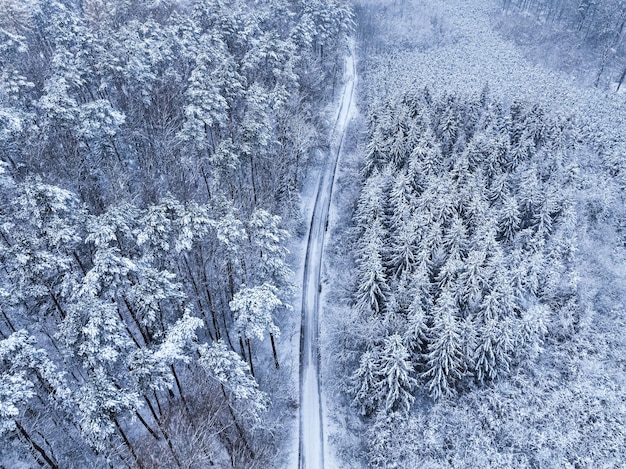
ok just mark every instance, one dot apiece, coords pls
pixel 621 80
pixel 12 327
pixel 180 389
pixel 242 348
pixel 250 357
pixel 254 199
pixel 128 444
pixel 147 427
pixel 276 364
pixel 40 454
pixel 196 289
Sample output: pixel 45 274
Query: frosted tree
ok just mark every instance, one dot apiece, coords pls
pixel 271 62
pixel 416 333
pixel 531 330
pixel 207 109
pixel 364 381
pixel 151 368
pixel 371 201
pixel 152 290
pixel 455 238
pixel 529 194
pixel 473 280
pixel 26 372
pixel 268 239
pixel 448 273
pixel 404 226
pixel 40 235
pixel 395 372
pixel 445 363
pixel 448 128
pixel 99 122
pixel 171 224
pixel 332 19
pixel 542 220
pixel 255 309
pixel 493 355
pixel 100 405
pixel 403 248
pixel 371 277
pixel 401 197
pixel 509 220
pixel 426 156
pixel 227 368
pixel 384 378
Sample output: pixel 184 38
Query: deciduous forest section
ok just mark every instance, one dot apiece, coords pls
pixel 151 156
pixel 481 323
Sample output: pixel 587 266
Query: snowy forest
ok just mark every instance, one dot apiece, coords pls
pixel 478 320
pixel 312 234
pixel 151 155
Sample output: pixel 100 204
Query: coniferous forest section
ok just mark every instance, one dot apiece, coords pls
pixel 480 318
pixel 467 288
pixel 151 157
pixel 465 235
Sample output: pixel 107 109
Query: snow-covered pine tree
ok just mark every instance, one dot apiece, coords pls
pixel 371 275
pixel 364 381
pixel 395 372
pixel 445 362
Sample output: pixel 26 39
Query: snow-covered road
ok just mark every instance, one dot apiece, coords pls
pixel 311 450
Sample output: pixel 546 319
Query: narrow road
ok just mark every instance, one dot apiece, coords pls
pixel 311 450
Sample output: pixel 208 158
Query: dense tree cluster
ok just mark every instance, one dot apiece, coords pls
pixel 150 159
pixel 464 244
pixel 538 383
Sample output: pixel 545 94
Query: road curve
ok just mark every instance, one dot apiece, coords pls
pixel 311 449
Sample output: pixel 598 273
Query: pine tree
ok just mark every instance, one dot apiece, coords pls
pixel 416 333
pixel 371 276
pixel 445 364
pixel 403 249
pixel 395 376
pixel 455 238
pixel 151 368
pixel 255 308
pixel 473 281
pixel 268 239
pixel 27 372
pixel 509 220
pixel 371 201
pixel 207 108
pixel 494 352
pixel 227 368
pixel 364 381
